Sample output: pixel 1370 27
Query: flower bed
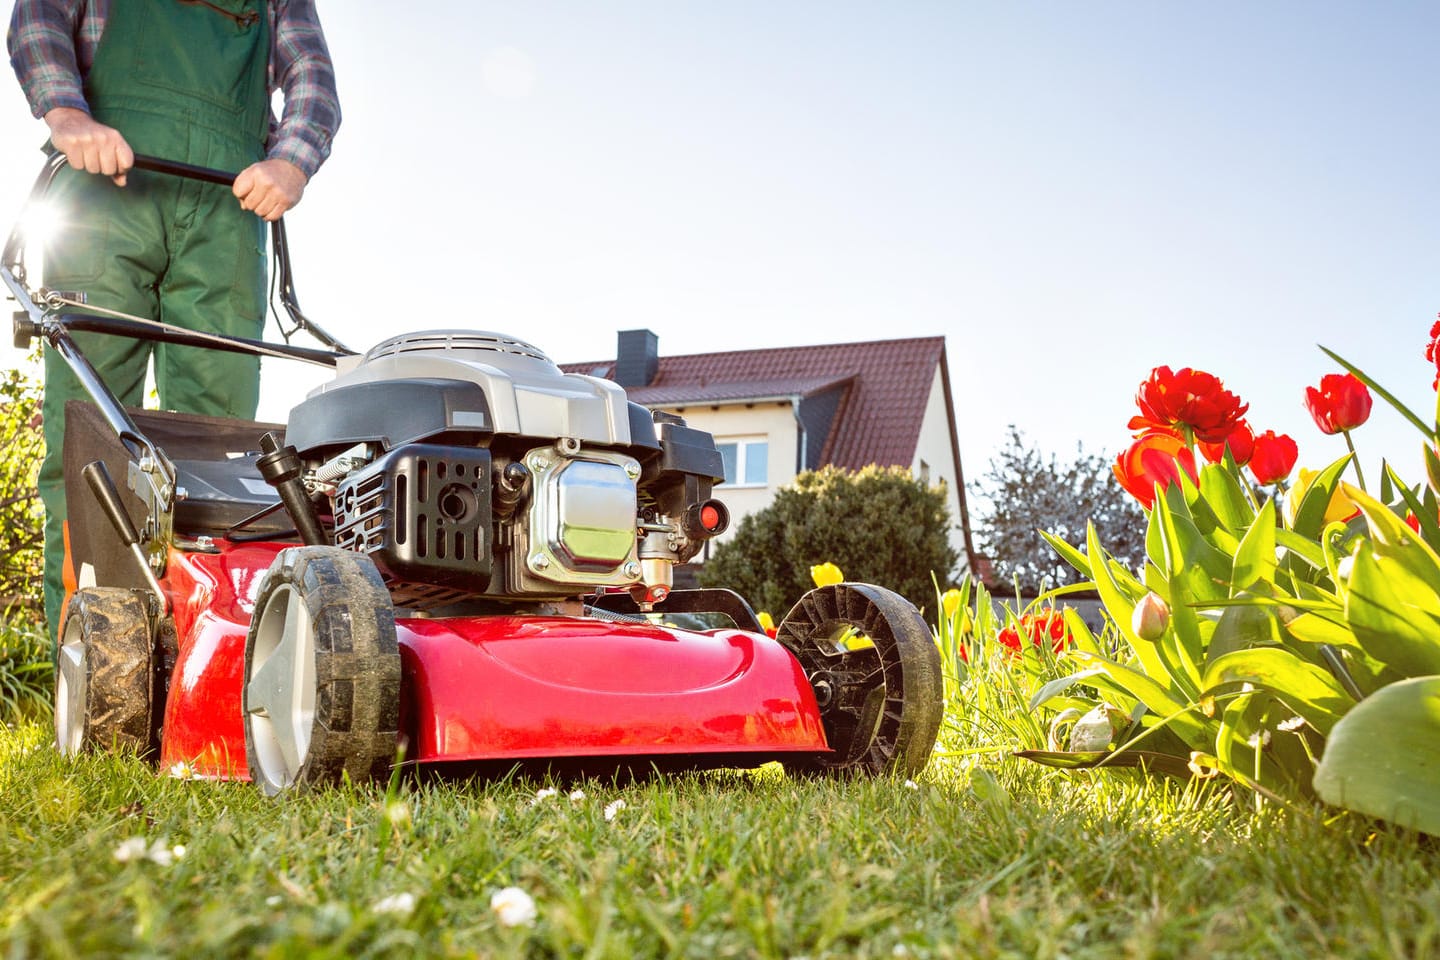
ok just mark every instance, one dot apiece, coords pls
pixel 1283 635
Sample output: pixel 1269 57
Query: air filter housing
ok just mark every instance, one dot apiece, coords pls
pixel 422 513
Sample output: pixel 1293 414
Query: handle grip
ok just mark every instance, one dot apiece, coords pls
pixel 187 170
pixel 105 491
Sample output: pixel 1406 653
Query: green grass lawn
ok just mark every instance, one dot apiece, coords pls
pixel 1011 860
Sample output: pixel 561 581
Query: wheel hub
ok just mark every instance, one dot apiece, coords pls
pixel 281 690
pixel 70 682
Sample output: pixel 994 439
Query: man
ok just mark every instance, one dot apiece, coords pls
pixel 185 80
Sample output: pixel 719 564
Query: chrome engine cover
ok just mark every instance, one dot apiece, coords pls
pixel 579 528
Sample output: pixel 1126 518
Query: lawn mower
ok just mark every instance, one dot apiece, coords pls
pixel 451 554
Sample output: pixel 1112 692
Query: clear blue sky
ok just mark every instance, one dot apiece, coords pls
pixel 1071 193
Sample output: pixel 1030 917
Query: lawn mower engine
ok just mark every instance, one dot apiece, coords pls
pixel 467 465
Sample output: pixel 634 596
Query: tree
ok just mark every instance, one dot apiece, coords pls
pixel 1023 492
pixel 878 525
pixel 21 517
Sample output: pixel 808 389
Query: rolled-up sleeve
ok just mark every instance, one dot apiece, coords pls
pixel 41 43
pixel 302 70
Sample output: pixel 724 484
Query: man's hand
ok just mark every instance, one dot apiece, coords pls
pixel 88 144
pixel 270 187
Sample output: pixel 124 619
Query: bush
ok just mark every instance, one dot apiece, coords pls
pixel 22 446
pixel 879 525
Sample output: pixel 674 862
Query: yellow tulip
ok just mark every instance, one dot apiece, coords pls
pixel 826 574
pixel 1340 506
pixel 767 622
pixel 950 601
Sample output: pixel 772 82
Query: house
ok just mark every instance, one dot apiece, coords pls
pixel 779 411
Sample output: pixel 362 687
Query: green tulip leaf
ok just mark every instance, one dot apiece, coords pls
pixel 1255 559
pixel 1061 684
pixel 1182 647
pixel 1237 758
pixel 1080 636
pixel 1385 607
pixel 1069 554
pixel 1249 732
pixel 1223 494
pixel 1424 510
pixel 1155 542
pixel 1383 758
pixel 1317 628
pixel 1305 688
pixel 1184 544
pixel 1241 627
pixel 1393 538
pixel 1308 550
pixel 1147 760
pixel 1203 515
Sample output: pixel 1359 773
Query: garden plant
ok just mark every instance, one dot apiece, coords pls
pixel 1285 641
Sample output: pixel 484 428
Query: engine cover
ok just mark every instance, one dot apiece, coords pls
pixel 422 513
pixel 579 529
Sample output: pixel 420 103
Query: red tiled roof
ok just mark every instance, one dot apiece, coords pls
pixel 725 392
pixel 878 421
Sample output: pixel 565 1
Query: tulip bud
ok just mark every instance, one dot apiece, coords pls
pixel 1097 729
pixel 826 574
pixel 1151 617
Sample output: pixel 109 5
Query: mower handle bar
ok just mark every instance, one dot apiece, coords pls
pixel 280 246
pixel 188 171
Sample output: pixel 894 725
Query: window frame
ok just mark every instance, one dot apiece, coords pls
pixel 742 442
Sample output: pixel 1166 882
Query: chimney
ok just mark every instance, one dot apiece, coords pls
pixel 637 358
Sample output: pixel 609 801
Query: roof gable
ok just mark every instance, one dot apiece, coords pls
pixel 886 386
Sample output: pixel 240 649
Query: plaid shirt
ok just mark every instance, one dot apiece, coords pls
pixel 52 45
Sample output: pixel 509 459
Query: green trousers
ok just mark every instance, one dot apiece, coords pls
pixel 175 250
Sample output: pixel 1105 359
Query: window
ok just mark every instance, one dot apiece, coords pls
pixel 747 461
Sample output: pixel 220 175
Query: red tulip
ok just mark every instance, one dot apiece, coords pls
pixel 1241 443
pixel 1274 457
pixel 1187 401
pixel 1047 624
pixel 1154 457
pixel 1432 351
pixel 1342 403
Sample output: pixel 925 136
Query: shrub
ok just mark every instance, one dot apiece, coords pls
pixel 21 516
pixel 879 525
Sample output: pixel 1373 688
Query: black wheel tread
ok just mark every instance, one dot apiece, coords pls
pixel 120 658
pixel 906 722
pixel 357 663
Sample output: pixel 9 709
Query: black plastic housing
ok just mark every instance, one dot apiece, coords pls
pixel 422 513
pixel 389 412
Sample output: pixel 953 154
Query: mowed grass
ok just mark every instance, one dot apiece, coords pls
pixel 1001 859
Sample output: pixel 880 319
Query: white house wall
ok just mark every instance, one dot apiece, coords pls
pixel 935 450
pixel 772 420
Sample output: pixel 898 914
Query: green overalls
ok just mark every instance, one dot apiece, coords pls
pixel 182 80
